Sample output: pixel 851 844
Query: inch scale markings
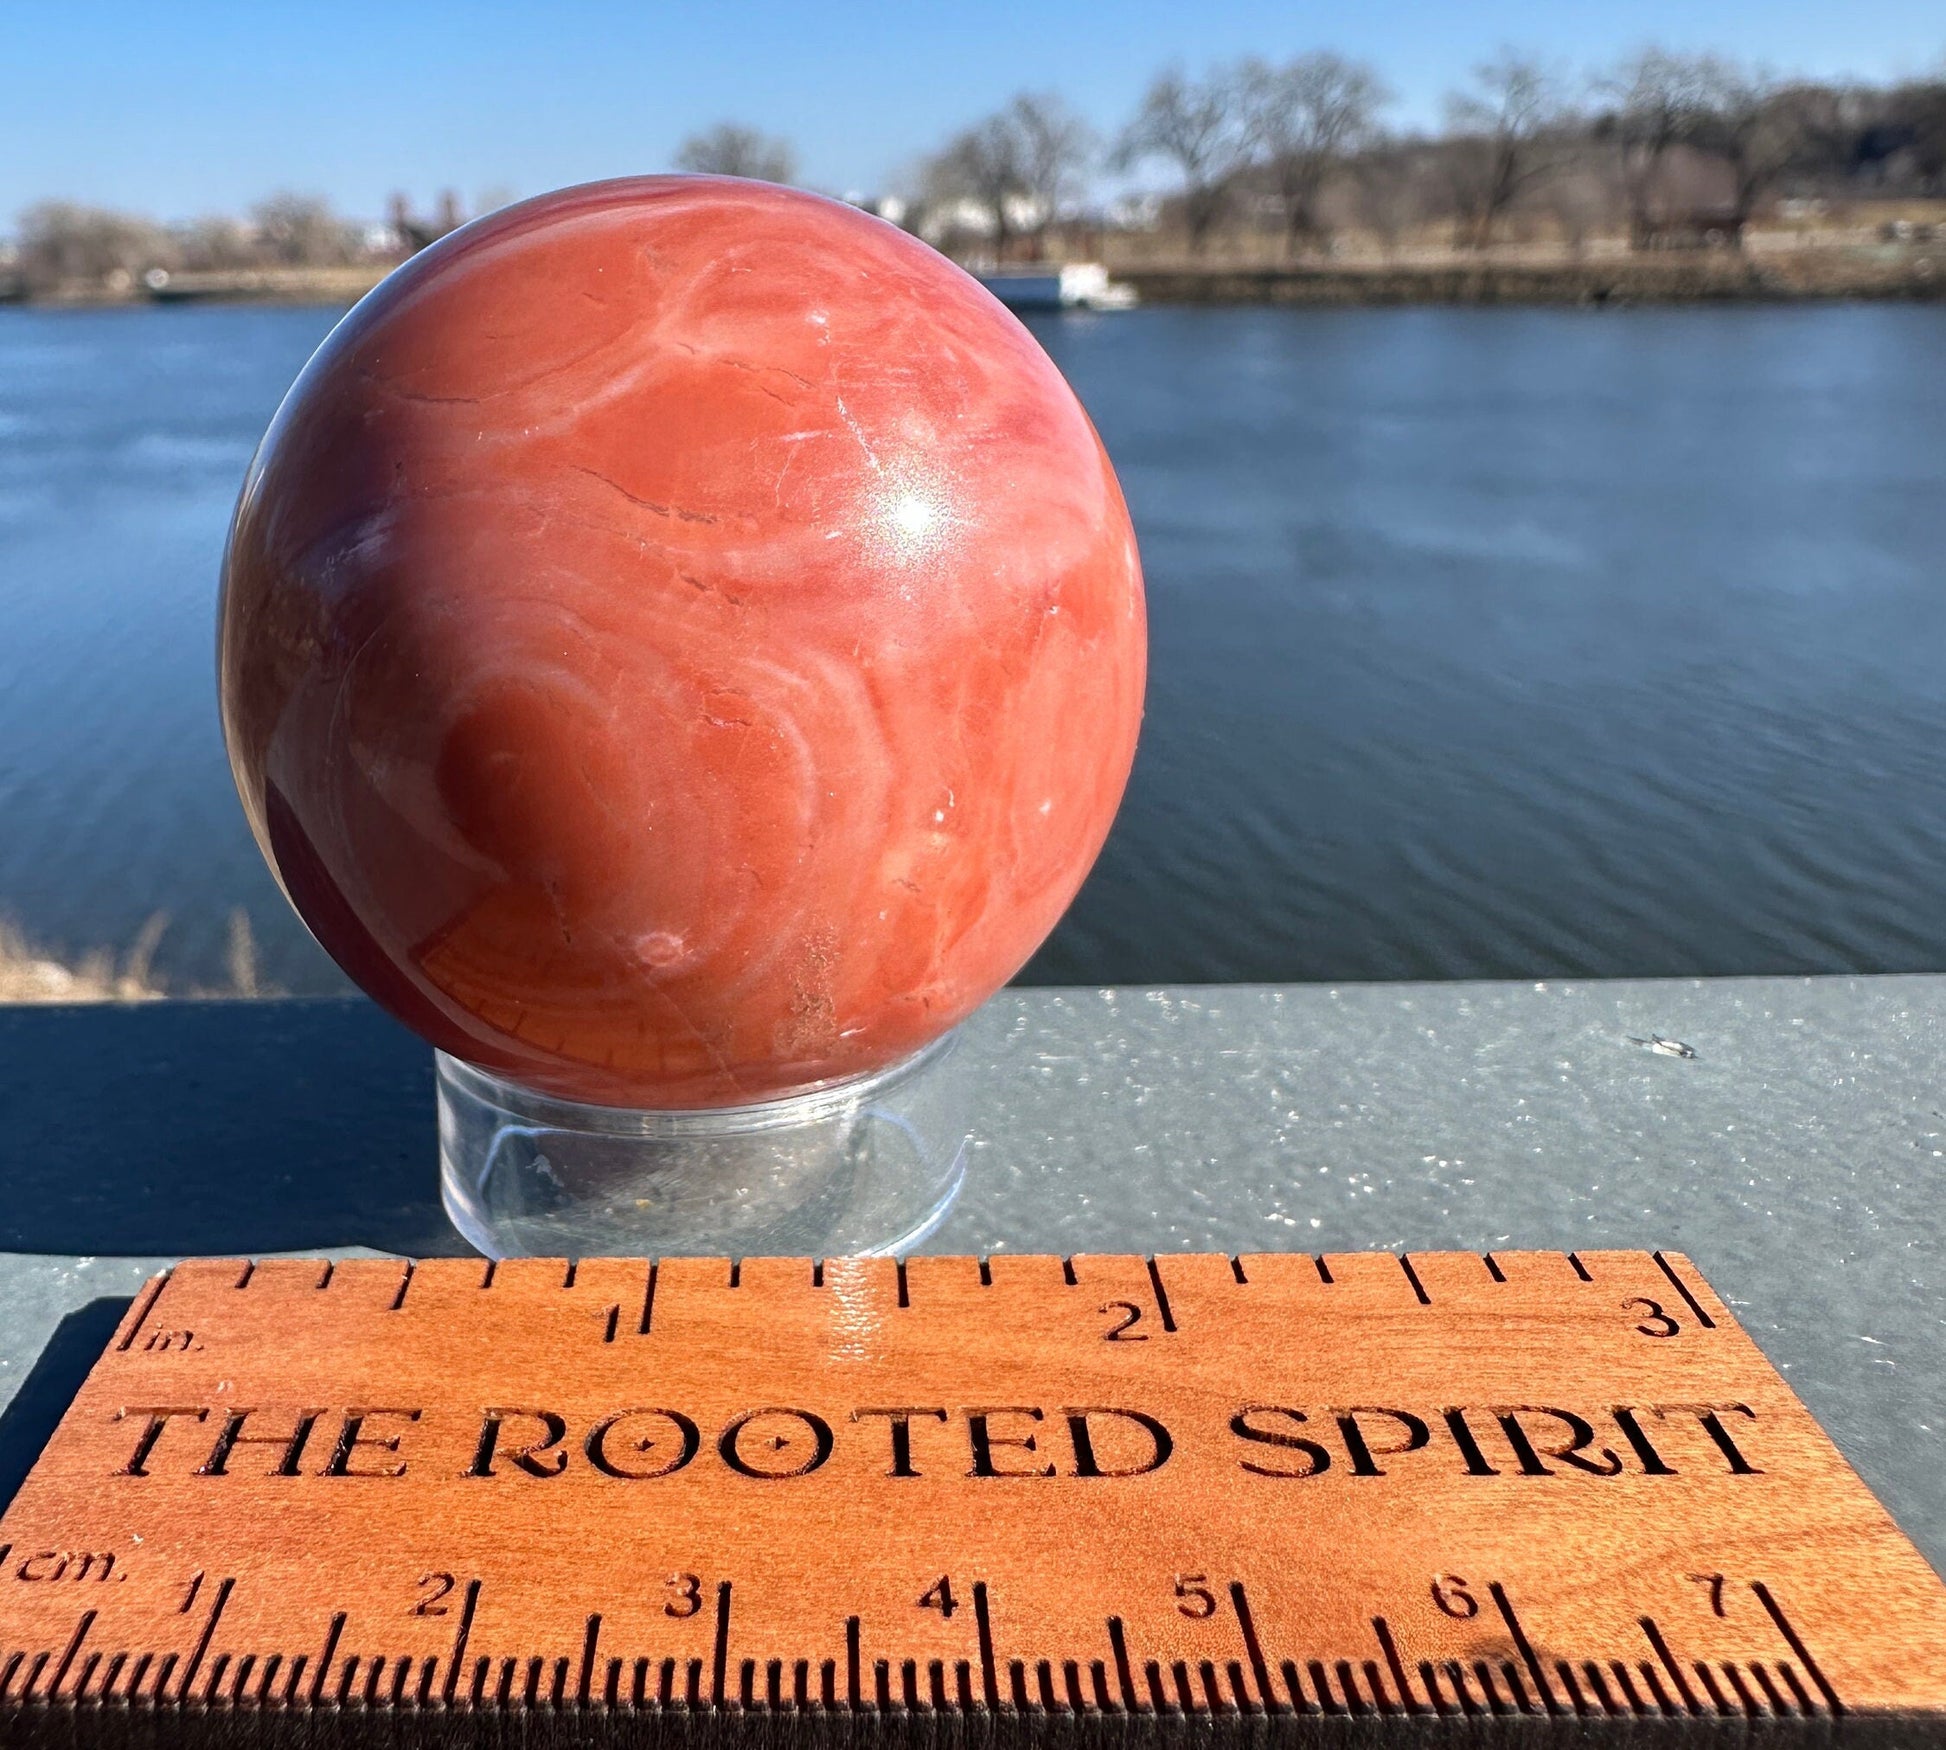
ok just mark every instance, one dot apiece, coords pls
pixel 1269 1493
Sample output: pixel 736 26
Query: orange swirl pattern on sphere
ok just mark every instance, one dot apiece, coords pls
pixel 681 642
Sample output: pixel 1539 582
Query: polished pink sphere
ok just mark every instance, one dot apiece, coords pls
pixel 682 642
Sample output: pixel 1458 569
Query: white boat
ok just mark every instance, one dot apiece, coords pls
pixel 1081 285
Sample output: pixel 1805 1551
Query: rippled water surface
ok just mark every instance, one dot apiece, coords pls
pixel 1486 643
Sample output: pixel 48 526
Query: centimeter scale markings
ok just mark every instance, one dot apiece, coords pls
pixel 605 1502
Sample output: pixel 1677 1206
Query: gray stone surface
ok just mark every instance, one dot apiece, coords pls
pixel 1797 1157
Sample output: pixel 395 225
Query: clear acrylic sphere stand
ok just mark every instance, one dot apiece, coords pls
pixel 867 1166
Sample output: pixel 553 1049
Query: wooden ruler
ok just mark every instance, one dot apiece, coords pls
pixel 456 1502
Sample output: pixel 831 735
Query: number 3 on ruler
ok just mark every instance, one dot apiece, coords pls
pixel 1658 1323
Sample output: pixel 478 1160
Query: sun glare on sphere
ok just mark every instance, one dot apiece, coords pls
pixel 912 516
pixel 914 521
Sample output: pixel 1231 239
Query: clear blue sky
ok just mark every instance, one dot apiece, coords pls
pixel 205 105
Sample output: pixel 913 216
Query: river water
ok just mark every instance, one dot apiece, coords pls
pixel 1485 642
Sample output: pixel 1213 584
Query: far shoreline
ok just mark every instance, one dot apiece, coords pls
pixel 1810 275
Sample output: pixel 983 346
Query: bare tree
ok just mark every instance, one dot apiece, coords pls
pixel 1197 125
pixel 1756 126
pixel 730 149
pixel 1507 134
pixel 62 243
pixel 1390 184
pixel 1054 147
pixel 1659 102
pixel 415 232
pixel 1916 128
pixel 1836 122
pixel 985 167
pixel 1584 197
pixel 301 230
pixel 1305 119
pixel 214 242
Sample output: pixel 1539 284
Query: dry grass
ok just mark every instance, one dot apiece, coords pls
pixel 1528 238
pixel 28 974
